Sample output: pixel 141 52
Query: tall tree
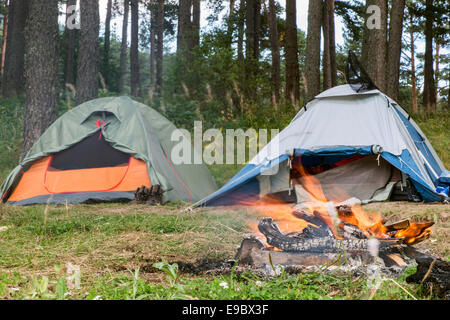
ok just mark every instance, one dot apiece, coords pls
pixel 312 62
pixel 275 49
pixel 329 51
pixel 124 46
pixel 429 97
pixel 107 41
pixel 375 42
pixel 88 52
pixel 153 9
pixel 13 75
pixel 332 41
pixel 252 20
pixel 184 26
pixel 41 70
pixel 394 48
pixel 252 16
pixel 5 35
pixel 326 67
pixel 195 26
pixel 160 46
pixel 134 49
pixel 230 22
pixel 240 26
pixel 415 106
pixel 70 45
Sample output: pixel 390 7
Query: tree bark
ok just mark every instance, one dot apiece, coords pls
pixel 195 26
pixel 134 49
pixel 326 67
pixel 5 35
pixel 124 46
pixel 184 26
pixel 436 78
pixel 41 70
pixel 160 46
pixel 107 42
pixel 152 42
pixel 415 107
pixel 230 23
pixel 70 76
pixel 329 51
pixel 375 43
pixel 88 52
pixel 240 44
pixel 429 97
pixel 332 40
pixel 250 29
pixel 394 48
pixel 13 75
pixel 275 49
pixel 312 62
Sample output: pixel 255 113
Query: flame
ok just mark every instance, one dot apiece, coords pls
pixel 279 211
pixel 370 224
pixel 415 233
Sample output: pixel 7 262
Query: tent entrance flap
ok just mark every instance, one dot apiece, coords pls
pixel 349 178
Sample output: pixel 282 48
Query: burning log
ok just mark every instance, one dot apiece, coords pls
pixel 434 274
pixel 316 244
pixel 253 252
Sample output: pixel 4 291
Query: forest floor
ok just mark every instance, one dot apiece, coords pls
pixel 117 248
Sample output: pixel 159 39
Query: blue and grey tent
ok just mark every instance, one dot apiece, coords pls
pixel 355 144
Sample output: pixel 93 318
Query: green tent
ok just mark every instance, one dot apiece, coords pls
pixel 102 151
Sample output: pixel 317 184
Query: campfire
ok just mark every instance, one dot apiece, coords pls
pixel 319 231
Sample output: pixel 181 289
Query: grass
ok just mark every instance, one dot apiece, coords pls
pixel 129 251
pixel 117 248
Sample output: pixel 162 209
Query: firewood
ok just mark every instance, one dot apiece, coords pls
pixel 399 225
pixel 152 195
pixel 319 244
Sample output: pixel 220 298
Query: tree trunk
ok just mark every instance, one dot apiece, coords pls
pixel 5 35
pixel 107 43
pixel 436 80
pixel 13 76
pixel 394 48
pixel 88 52
pixel 70 76
pixel 250 29
pixel 429 97
pixel 332 40
pixel 195 26
pixel 275 49
pixel 240 44
pixel 326 67
pixel 415 107
pixel 257 15
pixel 375 42
pixel 230 23
pixel 41 70
pixel 152 42
pixel 184 26
pixel 134 49
pixel 124 46
pixel 312 63
pixel 160 46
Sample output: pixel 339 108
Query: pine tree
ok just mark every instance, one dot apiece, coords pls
pixel 88 52
pixel 41 70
